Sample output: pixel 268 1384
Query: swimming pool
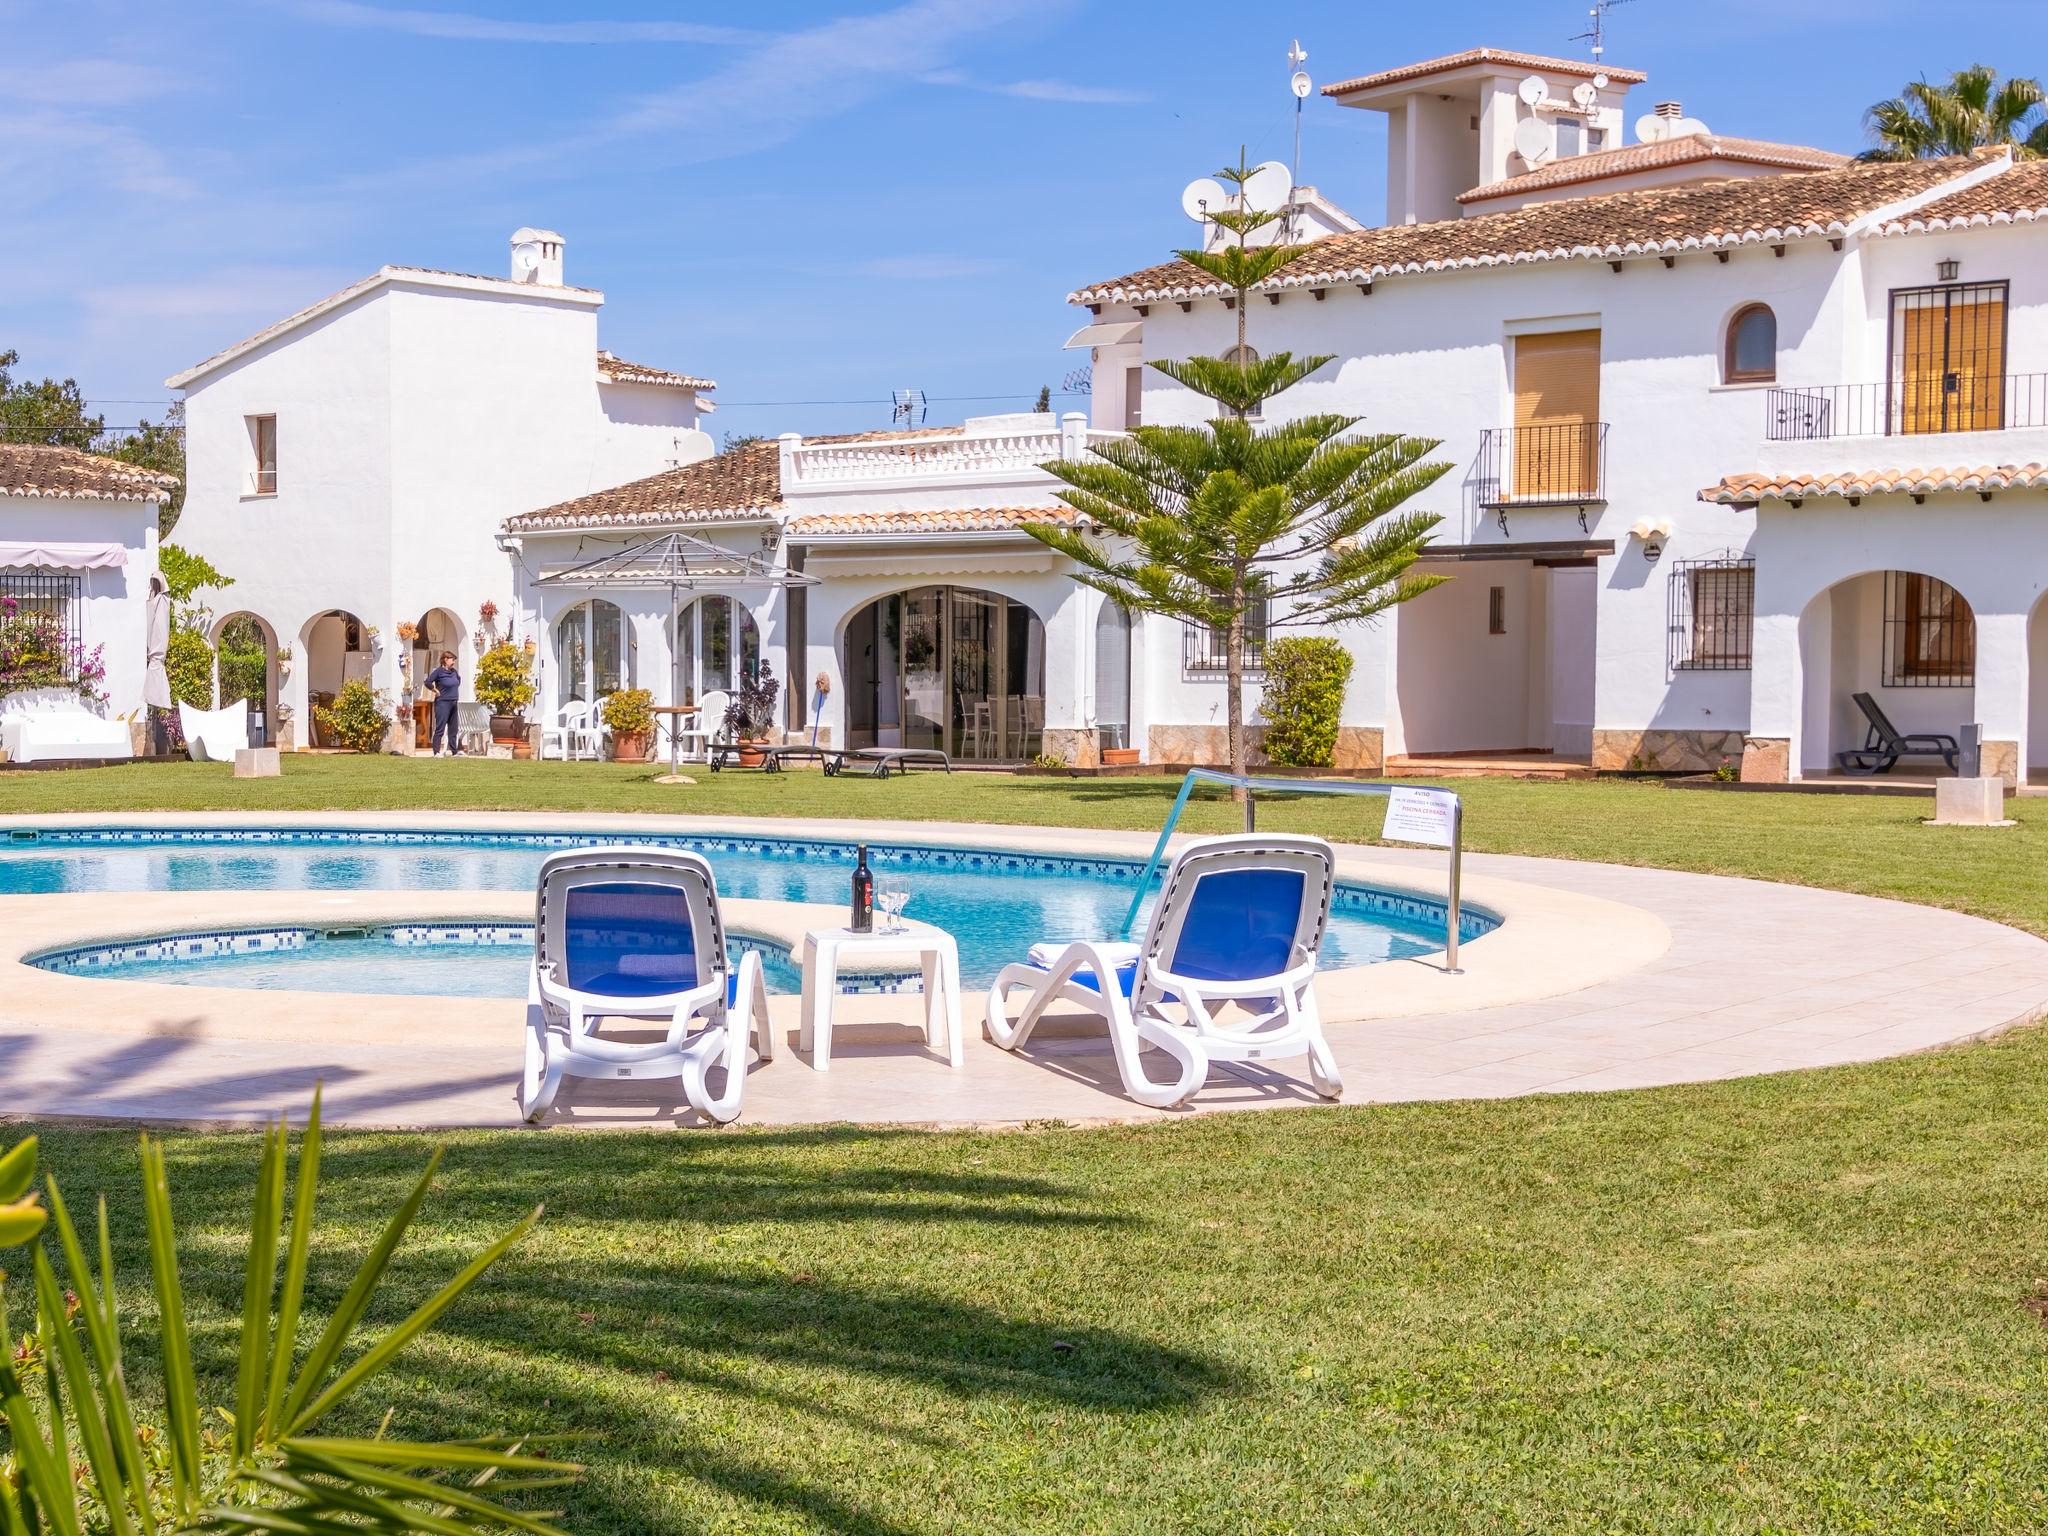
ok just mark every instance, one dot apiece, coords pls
pixel 995 902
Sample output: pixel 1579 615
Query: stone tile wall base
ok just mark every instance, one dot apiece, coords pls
pixel 1360 748
pixel 1766 759
pixel 1075 748
pixel 2002 761
pixel 1662 751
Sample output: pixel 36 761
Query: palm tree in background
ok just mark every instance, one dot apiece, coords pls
pixel 1974 110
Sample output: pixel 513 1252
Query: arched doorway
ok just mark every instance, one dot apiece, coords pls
pixel 593 652
pixel 438 630
pixel 1113 675
pixel 245 667
pixel 1907 639
pixel 339 648
pixel 714 630
pixel 955 668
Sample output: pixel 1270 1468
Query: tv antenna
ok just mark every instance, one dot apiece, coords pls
pixel 1079 381
pixel 1596 32
pixel 1299 83
pixel 906 407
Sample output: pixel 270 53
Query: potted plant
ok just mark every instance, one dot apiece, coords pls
pixel 504 682
pixel 751 713
pixel 630 714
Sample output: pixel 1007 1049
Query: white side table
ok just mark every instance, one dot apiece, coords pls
pixel 825 948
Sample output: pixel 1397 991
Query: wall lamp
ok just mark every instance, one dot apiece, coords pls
pixel 1948 271
pixel 1652 536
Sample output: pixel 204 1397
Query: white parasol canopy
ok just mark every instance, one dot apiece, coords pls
pixel 156 682
pixel 681 562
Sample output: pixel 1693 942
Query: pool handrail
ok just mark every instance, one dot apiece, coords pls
pixel 1251 783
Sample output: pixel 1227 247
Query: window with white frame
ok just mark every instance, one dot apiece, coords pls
pixel 262 455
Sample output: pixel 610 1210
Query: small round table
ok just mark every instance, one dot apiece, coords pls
pixel 825 948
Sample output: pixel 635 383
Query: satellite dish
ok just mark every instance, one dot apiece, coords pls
pixel 1301 83
pixel 1599 82
pixel 526 257
pixel 1296 54
pixel 1584 94
pixel 1268 187
pixel 1532 90
pixel 1532 140
pixel 1652 129
pixel 1204 196
pixel 1685 128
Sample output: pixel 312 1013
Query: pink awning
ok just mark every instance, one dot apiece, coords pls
pixel 63 557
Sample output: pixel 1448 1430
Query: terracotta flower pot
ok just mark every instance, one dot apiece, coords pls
pixel 508 727
pixel 751 755
pixel 1119 757
pixel 629 747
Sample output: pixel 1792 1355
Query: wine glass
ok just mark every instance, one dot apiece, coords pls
pixel 892 895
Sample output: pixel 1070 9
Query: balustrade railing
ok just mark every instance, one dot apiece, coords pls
pixel 958 454
pixel 1955 401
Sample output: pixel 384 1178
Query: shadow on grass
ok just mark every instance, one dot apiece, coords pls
pixel 618 1319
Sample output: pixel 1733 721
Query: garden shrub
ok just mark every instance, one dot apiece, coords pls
pixel 1304 699
pixel 244 661
pixel 504 678
pixel 359 718
pixel 629 712
pixel 188 664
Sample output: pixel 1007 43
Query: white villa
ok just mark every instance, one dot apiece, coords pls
pixel 350 465
pixel 1672 377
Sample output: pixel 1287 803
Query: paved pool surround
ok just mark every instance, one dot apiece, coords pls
pixel 1599 976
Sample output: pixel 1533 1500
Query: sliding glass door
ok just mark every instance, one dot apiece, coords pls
pixel 955 668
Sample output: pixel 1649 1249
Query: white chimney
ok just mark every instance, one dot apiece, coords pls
pixel 1669 109
pixel 537 257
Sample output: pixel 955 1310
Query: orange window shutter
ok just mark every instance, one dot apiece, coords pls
pixel 1920 369
pixel 1977 362
pixel 1557 407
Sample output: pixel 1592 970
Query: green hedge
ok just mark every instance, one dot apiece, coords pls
pixel 188 664
pixel 1304 699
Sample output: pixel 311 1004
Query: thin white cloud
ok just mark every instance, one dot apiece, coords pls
pixel 1040 90
pixel 927 268
pixel 86 84
pixel 462 26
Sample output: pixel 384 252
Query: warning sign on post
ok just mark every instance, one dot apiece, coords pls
pixel 1427 816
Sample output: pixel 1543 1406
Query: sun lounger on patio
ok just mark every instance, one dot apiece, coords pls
pixel 879 760
pixel 635 934
pixel 1239 921
pixel 1885 745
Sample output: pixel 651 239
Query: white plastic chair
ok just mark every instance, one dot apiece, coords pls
pixel 1240 920
pixel 214 735
pixel 635 933
pixel 708 727
pixel 573 733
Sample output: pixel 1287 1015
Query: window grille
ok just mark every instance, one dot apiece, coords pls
pixel 1930 635
pixel 1712 613
pixel 1206 649
pixel 52 593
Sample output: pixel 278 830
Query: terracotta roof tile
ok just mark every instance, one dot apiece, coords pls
pixel 2015 196
pixel 740 485
pixel 1747 490
pixel 1504 56
pixel 37 469
pixel 954 520
pixel 1574 170
pixel 613 369
pixel 1760 210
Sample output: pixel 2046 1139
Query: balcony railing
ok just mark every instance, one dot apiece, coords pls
pixel 940 455
pixel 1559 465
pixel 1957 401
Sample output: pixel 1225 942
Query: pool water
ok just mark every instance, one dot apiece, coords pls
pixel 995 903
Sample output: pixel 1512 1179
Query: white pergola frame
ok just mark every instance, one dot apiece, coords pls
pixel 681 562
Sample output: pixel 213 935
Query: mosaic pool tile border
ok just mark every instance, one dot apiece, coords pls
pixel 1350 898
pixel 90 959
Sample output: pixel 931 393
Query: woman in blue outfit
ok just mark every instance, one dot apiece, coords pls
pixel 447 685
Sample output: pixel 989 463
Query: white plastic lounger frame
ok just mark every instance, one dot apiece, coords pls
pixel 1239 921
pixel 635 933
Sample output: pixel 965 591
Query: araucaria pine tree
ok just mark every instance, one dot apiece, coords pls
pixel 1216 524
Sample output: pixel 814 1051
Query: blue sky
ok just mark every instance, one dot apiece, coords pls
pixel 808 202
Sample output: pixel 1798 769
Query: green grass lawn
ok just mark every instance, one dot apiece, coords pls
pixel 1801 1303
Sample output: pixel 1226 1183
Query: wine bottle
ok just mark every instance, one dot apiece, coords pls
pixel 863 895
